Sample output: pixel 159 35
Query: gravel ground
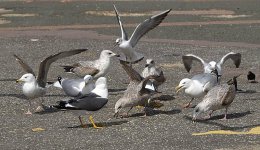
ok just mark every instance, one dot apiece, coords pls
pixel 168 127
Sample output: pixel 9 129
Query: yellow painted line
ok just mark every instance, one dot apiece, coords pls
pixel 253 131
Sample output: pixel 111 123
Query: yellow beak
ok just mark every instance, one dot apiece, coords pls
pixel 17 81
pixel 178 88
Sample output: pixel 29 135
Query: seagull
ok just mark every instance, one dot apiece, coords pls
pixel 93 101
pixel 151 69
pixel 97 68
pixel 251 76
pixel 220 96
pixel 33 86
pixel 127 45
pixel 76 87
pixel 208 67
pixel 197 86
pixel 136 94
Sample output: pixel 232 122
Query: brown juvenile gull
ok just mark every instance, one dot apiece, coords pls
pixel 197 86
pixel 127 45
pixel 35 87
pixel 93 101
pixel 136 94
pixel 220 96
pixel 151 69
pixel 212 65
pixel 97 68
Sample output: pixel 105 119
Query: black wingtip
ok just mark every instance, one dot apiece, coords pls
pixel 68 68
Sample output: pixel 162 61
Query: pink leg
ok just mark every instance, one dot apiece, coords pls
pixel 225 116
pixel 188 105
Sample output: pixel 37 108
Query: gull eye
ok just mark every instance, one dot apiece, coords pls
pixel 197 110
pixel 110 53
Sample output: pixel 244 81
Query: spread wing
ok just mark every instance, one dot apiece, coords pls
pixel 146 26
pixel 123 33
pixel 45 64
pixel 236 57
pixel 188 59
pixel 25 66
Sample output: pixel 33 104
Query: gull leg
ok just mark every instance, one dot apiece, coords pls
pixel 29 112
pixel 188 105
pixel 81 123
pixel 93 123
pixel 225 116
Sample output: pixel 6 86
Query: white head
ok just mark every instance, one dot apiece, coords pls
pixel 88 78
pixel 118 41
pixel 200 108
pixel 28 77
pixel 212 65
pixel 149 63
pixel 184 83
pixel 108 54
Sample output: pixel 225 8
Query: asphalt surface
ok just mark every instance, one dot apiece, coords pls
pixel 210 29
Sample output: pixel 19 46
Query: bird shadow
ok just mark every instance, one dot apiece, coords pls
pixel 247 91
pixel 222 126
pixel 21 96
pixel 101 124
pixel 253 82
pixel 116 91
pixel 48 110
pixel 156 112
pixel 164 97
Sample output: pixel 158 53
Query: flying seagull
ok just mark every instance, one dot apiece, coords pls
pixel 151 69
pixel 97 68
pixel 76 87
pixel 93 101
pixel 197 86
pixel 136 94
pixel 220 96
pixel 212 65
pixel 127 45
pixel 33 86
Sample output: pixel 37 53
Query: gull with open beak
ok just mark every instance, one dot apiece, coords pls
pixel 197 86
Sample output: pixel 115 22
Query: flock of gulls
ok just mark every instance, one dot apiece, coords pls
pixel 88 91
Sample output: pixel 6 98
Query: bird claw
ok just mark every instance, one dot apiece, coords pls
pixel 28 112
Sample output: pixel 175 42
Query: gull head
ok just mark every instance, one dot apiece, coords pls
pixel 184 83
pixel 88 78
pixel 118 41
pixel 28 77
pixel 212 65
pixel 200 108
pixel 149 63
pixel 108 54
pixel 118 107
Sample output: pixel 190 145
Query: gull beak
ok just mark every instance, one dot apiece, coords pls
pixel 178 88
pixel 17 81
pixel 194 119
pixel 146 65
pixel 117 55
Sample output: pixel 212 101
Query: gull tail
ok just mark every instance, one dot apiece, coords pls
pixel 57 84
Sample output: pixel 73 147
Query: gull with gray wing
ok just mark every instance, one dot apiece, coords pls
pixel 33 86
pixel 197 86
pixel 212 65
pixel 76 87
pixel 127 45
pixel 91 102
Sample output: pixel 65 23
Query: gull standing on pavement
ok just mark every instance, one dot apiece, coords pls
pixel 35 87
